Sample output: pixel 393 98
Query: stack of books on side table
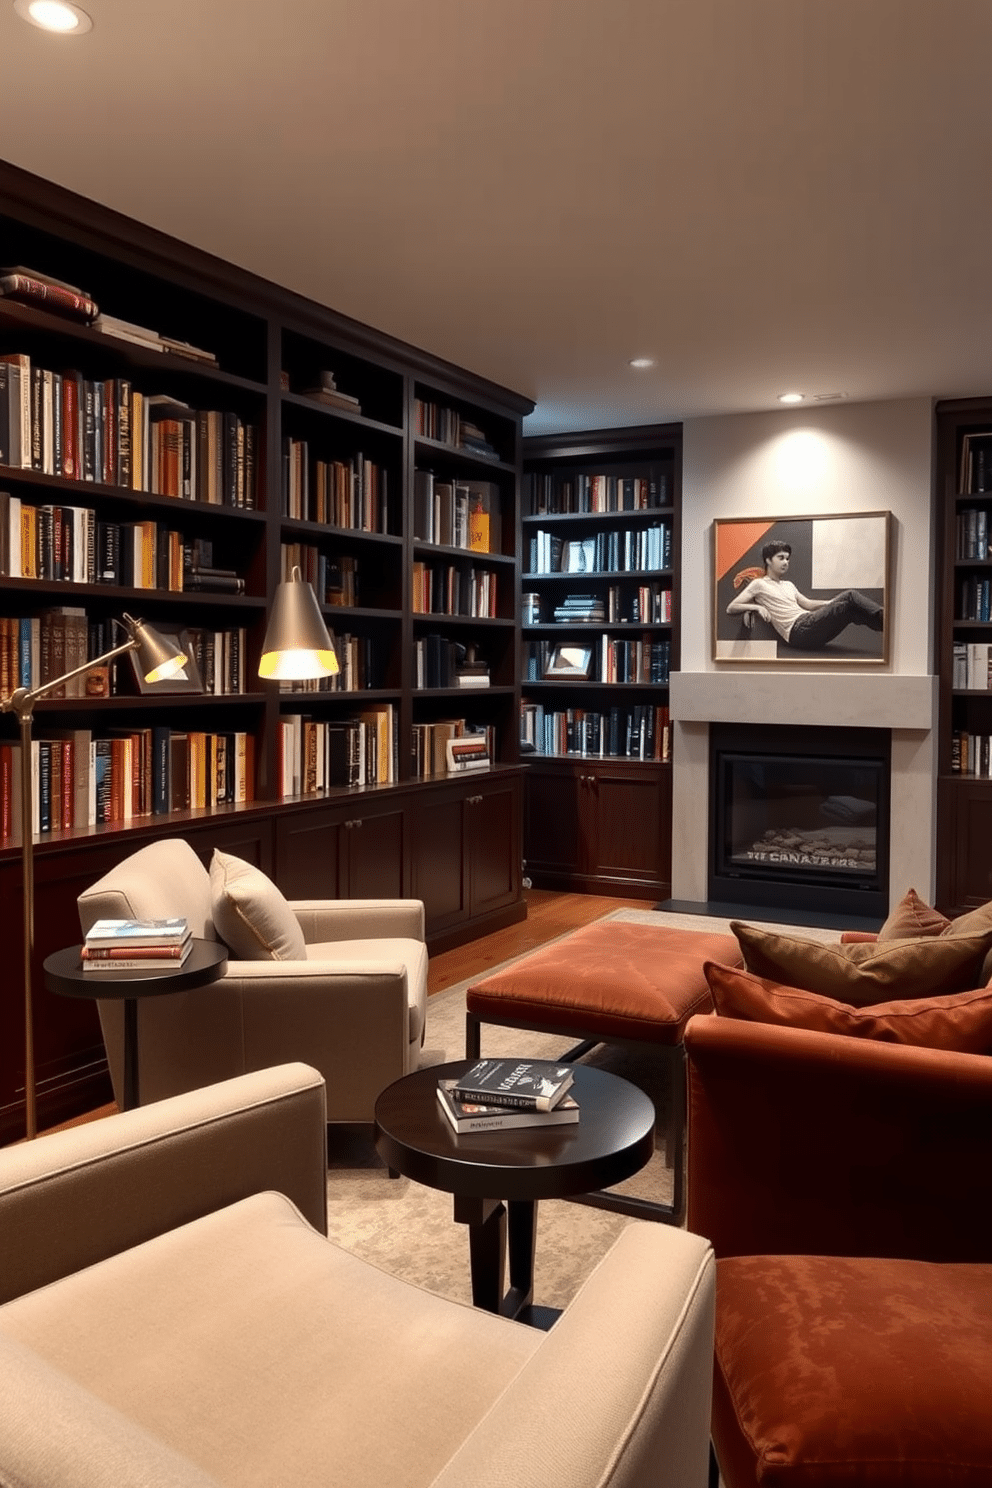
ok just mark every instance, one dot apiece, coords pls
pixel 503 1093
pixel 136 945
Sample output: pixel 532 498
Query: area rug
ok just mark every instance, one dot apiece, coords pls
pixel 408 1229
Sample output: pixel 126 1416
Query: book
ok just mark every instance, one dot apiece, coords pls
pixel 473 1116
pixel 537 1084
pixel 138 932
pixel 136 961
pixel 111 956
pixel 32 288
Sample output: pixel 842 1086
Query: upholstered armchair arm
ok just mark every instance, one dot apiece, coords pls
pixel 327 1008
pixel 807 1143
pixel 74 1198
pixel 858 937
pixel 359 919
pixel 619 1391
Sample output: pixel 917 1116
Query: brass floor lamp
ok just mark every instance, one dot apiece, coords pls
pixel 158 657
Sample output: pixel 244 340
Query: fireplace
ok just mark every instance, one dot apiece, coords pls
pixel 799 818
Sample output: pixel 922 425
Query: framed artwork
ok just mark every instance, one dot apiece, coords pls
pixel 188 680
pixel 802 589
pixel 569 661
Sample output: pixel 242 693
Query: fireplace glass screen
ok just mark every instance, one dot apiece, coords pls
pixel 811 819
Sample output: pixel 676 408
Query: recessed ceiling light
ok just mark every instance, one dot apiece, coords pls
pixel 642 361
pixel 54 15
pixel 791 397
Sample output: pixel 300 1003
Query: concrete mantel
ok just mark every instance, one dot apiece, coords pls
pixel 790 696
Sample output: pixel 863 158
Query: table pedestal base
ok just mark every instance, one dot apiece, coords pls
pixel 498 1231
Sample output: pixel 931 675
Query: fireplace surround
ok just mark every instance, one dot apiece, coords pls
pixel 799 818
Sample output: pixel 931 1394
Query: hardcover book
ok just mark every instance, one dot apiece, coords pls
pixel 535 1084
pixel 138 932
pixel 473 1116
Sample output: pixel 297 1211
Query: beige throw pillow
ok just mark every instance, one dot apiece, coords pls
pixel 865 973
pixel 250 915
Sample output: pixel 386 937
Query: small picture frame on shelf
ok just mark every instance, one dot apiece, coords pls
pixel 569 661
pixel 188 680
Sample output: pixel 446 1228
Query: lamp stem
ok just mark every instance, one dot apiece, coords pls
pixel 27 895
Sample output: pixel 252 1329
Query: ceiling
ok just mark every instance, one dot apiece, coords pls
pixel 760 194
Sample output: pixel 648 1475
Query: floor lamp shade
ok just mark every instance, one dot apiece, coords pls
pixel 297 643
pixel 158 656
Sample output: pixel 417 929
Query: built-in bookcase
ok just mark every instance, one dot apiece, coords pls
pixel 599 611
pixel 178 457
pixel 964 649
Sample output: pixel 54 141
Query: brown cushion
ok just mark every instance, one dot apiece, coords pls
pixel 960 1021
pixel 866 973
pixel 912 919
pixel 614 978
pixel 250 914
pixel 837 1370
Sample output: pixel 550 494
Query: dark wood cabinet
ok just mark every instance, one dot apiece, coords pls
pixel 466 854
pixel 599 826
pixel 963 648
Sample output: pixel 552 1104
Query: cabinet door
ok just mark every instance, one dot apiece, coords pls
pixel 964 867
pixel 631 841
pixel 309 854
pixel 373 854
pixel 553 836
pixel 493 847
pixel 437 854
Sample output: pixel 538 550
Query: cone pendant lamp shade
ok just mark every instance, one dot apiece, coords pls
pixel 297 644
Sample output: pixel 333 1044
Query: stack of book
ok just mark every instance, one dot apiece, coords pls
pixel 136 945
pixel 496 1094
pixel 576 608
pixel 326 391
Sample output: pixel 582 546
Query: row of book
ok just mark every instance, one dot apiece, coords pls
pixel 641 732
pixel 612 660
pixel 972 666
pixel 430 744
pixel 634 604
pixel 971 754
pixel 68 544
pixel 441 662
pixel 61 423
pixel 973 599
pixel 554 494
pixel 975 474
pixel 350 493
pixel 85 781
pixel 628 551
pixel 38 648
pixel 318 755
pixel 456 513
pixel 971 532
pixel 437 421
pixel 362 663
pixel 453 589
pixel 334 576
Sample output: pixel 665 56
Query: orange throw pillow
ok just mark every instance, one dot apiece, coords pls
pixel 912 919
pixel 960 1021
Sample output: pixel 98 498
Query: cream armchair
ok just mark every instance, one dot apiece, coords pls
pixel 350 999
pixel 172 1316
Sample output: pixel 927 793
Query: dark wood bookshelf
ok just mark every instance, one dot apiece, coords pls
pixel 455 841
pixel 594 820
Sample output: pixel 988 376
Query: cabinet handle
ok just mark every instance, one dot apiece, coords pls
pixel 355 822
pixel 473 800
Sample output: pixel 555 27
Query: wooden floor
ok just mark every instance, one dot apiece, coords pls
pixel 548 915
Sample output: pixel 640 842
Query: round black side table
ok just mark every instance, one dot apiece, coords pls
pixel 498 1177
pixel 64 974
